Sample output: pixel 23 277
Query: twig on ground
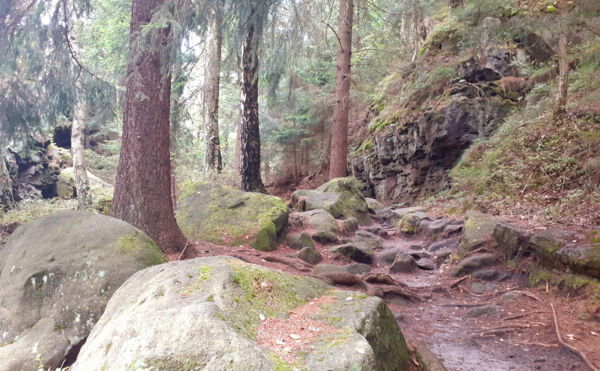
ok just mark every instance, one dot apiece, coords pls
pixel 543 345
pixel 522 315
pixel 456 282
pixel 526 293
pixel 568 346
pixel 461 305
pixel 183 251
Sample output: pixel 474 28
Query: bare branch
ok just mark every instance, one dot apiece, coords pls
pixel 335 33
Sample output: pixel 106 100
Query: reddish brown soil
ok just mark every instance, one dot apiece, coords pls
pixel 520 336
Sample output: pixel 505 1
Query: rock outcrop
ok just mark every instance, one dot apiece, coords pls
pixel 33 168
pixel 56 276
pixel 412 158
pixel 341 197
pixel 224 215
pixel 221 313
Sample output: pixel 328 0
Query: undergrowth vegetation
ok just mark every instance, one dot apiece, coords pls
pixel 536 166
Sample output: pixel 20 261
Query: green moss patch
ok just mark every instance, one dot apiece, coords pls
pixel 268 293
pixel 140 245
pixel 223 215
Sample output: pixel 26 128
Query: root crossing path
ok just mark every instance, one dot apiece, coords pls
pixel 492 320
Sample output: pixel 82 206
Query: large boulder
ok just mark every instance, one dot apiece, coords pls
pixel 511 240
pixel 478 230
pixel 322 226
pixel 568 250
pixel 220 313
pixel 56 276
pixel 341 197
pixel 224 215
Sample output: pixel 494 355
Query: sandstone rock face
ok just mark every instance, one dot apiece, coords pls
pixel 341 197
pixel 412 158
pixel 56 276
pixel 224 215
pixel 211 314
pixel 33 168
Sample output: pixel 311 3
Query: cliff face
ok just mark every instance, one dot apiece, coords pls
pixel 409 153
pixel 411 157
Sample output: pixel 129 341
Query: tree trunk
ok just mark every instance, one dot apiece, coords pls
pixel 82 183
pixel 296 166
pixel 249 126
pixel 339 129
pixel 213 160
pixel 143 184
pixel 560 104
pixel 237 156
pixel 179 80
pixel 306 158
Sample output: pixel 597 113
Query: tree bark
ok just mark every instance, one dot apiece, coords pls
pixel 560 104
pixel 306 158
pixel 82 183
pixel 251 179
pixel 179 81
pixel 143 184
pixel 339 129
pixel 213 160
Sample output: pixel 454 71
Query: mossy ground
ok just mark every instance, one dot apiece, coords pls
pixel 270 293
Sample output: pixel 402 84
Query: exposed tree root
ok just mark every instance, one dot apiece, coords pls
pixel 344 279
pixel 568 346
pixel 381 278
pixel 381 285
pixel 388 291
pixel 296 263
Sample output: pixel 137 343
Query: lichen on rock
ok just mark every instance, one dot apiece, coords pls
pixel 224 215
pixel 211 309
pixel 56 276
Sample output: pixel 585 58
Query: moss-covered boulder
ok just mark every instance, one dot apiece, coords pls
pixel 224 215
pixel 511 240
pixel 322 227
pixel 409 222
pixel 56 276
pixel 567 250
pixel 220 313
pixel 341 197
pixel 478 229
pixel 373 205
pixel 298 241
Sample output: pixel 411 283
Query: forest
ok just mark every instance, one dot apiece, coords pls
pixel 299 185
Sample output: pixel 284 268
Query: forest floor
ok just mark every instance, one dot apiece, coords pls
pixel 520 333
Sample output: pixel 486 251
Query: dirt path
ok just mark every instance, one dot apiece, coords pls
pixel 517 334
